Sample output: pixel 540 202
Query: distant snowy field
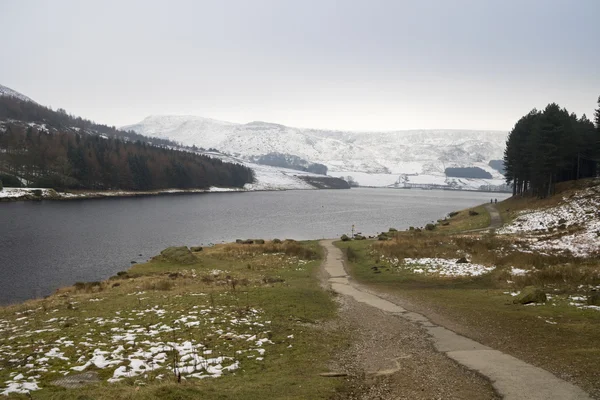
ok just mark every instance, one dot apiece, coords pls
pixel 371 158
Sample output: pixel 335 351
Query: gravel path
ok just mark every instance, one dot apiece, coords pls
pixel 404 355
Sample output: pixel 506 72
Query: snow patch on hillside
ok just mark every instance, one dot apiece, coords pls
pixel 6 91
pixel 572 226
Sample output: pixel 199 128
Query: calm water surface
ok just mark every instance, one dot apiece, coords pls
pixel 49 244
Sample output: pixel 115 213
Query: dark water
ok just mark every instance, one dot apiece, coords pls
pixel 46 245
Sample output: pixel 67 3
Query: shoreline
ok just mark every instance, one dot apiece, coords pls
pixel 53 195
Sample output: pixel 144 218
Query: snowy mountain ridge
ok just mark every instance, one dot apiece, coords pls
pixel 394 155
pixel 6 91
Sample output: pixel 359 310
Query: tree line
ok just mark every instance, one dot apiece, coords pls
pixel 12 108
pixel 551 146
pixel 69 160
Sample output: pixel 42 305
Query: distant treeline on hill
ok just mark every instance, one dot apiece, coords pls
pixel 69 160
pixel 468 172
pixel 551 146
pixel 12 108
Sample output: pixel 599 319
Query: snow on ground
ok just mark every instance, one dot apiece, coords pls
pixel 445 267
pixel 572 226
pixel 201 342
pixel 439 267
pixel 15 193
pixel 399 180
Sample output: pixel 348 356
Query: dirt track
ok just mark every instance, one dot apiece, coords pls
pixel 400 354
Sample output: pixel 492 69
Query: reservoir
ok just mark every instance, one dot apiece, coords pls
pixel 48 244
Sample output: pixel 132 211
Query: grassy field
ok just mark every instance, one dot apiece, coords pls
pixel 239 321
pixel 477 298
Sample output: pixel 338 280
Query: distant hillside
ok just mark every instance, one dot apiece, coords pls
pixel 44 148
pixel 291 162
pixel 469 172
pixel 422 153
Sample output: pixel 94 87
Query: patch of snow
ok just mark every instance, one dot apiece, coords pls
pixel 445 267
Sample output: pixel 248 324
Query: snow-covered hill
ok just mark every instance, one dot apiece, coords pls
pixel 371 158
pixel 6 91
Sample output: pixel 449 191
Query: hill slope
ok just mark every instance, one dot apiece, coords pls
pixel 394 155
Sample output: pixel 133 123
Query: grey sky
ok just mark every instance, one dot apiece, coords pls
pixel 359 65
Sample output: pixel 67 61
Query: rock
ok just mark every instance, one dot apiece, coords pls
pixel 462 260
pixel 179 255
pixel 333 374
pixel 445 223
pixel 196 249
pixel 531 295
pixel 473 213
pixel 594 299
pixel 133 262
pixel 117 284
pixel 78 380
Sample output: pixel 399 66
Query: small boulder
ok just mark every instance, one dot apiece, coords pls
pixel 462 260
pixel 594 299
pixel 531 295
pixel 179 255
pixel 473 213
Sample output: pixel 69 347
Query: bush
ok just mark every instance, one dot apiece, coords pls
pixel 259 241
pixel 351 254
pixel 276 241
pixel 430 227
pixel 359 237
pixel 10 180
pixel 1 187
pixel 393 230
pixel 473 213
pixel 37 192
pixel 196 249
pixel 345 238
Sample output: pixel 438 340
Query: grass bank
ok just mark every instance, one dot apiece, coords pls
pixel 476 296
pixel 243 321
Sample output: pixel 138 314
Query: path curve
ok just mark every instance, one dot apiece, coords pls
pixel 512 378
pixel 495 219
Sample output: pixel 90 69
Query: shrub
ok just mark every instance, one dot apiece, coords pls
pixel 351 254
pixel 248 241
pixel 276 241
pixel 37 192
pixel 164 284
pixel 1 187
pixel 430 227
pixel 10 180
pixel 359 237
pixel 393 230
pixel 473 213
pixel 196 248
pixel 345 238
pixel 240 241
pixel 259 241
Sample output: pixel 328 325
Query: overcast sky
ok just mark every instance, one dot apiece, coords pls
pixel 357 65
